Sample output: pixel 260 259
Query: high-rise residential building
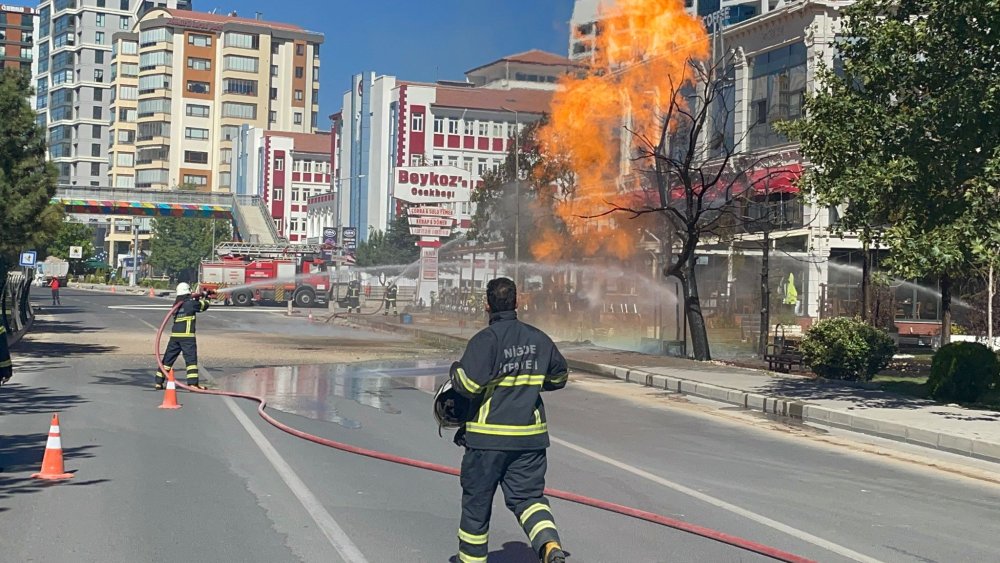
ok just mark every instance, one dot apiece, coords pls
pixel 16 36
pixel 386 124
pixel 189 81
pixel 73 79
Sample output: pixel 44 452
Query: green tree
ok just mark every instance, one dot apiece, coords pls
pixel 396 246
pixel 72 234
pixel 905 133
pixel 180 243
pixel 27 181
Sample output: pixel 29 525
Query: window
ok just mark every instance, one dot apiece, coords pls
pixel 274 93
pixel 125 23
pixel 453 161
pixel 467 163
pixel 98 94
pixel 293 224
pixel 484 129
pixel 195 180
pixel 148 131
pixel 195 133
pixel 98 38
pixel 129 69
pixel 242 111
pixel 295 194
pixel 453 126
pixel 127 115
pixel 123 4
pixel 95 168
pixel 470 127
pixel 777 90
pixel 154 59
pixel 199 40
pixel 239 86
pixel 439 125
pixel 272 117
pixel 124 181
pixel 242 40
pixel 279 164
pixel 100 20
pixel 95 150
pixel 279 194
pixel 152 36
pixel 274 70
pixel 154 106
pixel 226 156
pixel 307 166
pixel 146 178
pixel 438 160
pixel 300 72
pixel 416 160
pixel 241 64
pixel 151 83
pixel 225 179
pixel 129 48
pixel 199 64
pixel 275 47
pixel 482 166
pixel 196 110
pixel 125 159
pixel 196 87
pixel 95 131
pixel 98 75
pixel 98 113
pixel 230 132
pixel 196 157
pixel 299 96
pixel 126 137
pixel 298 118
pixel 417 122
pixel 99 57
pixel 300 49
pixel 296 166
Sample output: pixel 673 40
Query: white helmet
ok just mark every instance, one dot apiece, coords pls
pixel 451 409
pixel 183 289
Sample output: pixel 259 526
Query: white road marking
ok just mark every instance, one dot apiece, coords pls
pixel 794 532
pixel 333 532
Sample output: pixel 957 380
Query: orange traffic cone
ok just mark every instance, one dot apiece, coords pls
pixel 152 293
pixel 52 463
pixel 113 289
pixel 170 395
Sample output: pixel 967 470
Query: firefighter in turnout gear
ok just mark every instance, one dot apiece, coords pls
pixel 505 368
pixel 354 296
pixel 6 367
pixel 390 299
pixel 182 336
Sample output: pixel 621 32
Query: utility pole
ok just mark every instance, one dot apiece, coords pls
pixel 517 196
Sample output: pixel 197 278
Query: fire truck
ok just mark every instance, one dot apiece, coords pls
pixel 269 273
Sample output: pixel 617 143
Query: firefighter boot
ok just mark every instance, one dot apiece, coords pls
pixel 553 553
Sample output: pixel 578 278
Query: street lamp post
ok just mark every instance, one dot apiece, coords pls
pixel 340 238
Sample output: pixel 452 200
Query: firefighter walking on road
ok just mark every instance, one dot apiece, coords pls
pixel 390 299
pixel 505 368
pixel 354 296
pixel 182 335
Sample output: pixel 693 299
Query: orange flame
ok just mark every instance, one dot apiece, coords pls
pixel 640 61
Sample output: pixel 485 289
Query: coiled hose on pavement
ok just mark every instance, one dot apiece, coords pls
pixel 702 531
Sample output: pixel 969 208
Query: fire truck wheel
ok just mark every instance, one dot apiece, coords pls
pixel 242 299
pixel 305 298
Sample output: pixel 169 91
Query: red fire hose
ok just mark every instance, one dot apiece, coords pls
pixel 702 531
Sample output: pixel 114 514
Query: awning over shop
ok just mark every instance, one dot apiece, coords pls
pixel 776 180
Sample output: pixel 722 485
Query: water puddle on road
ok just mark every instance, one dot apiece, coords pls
pixel 344 394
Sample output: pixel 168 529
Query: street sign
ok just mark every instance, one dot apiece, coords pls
pixel 431 221
pixel 429 210
pixel 429 263
pixel 329 235
pixel 430 232
pixel 350 233
pixel 28 259
pixel 76 252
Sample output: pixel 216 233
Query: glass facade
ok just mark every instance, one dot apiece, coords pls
pixel 777 92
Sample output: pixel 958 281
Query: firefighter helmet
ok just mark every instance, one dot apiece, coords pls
pixel 183 289
pixel 451 409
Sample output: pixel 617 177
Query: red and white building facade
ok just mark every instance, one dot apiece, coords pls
pixel 286 169
pixel 387 123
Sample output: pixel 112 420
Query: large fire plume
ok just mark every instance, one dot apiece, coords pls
pixel 641 57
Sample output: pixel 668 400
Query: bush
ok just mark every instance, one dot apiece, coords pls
pixel 963 371
pixel 848 349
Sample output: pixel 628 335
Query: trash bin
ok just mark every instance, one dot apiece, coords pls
pixel 406 319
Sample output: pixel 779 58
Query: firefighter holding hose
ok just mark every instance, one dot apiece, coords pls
pixel 354 296
pixel 390 299
pixel 182 335
pixel 493 397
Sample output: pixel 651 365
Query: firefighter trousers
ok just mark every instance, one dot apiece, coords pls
pixel 189 347
pixel 521 476
pixel 390 303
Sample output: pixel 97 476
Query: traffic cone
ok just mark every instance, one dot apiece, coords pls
pixel 310 316
pixel 113 289
pixel 152 293
pixel 52 463
pixel 170 395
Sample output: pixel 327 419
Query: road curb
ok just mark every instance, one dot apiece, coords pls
pixel 800 410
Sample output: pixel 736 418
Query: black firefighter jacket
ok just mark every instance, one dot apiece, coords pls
pixel 184 319
pixel 505 368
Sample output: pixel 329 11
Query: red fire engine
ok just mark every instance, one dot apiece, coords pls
pixel 262 272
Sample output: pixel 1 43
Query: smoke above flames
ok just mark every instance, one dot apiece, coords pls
pixel 641 59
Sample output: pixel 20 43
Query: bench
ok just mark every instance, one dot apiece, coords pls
pixel 784 354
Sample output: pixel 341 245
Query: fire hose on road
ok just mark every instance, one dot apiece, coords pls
pixel 702 531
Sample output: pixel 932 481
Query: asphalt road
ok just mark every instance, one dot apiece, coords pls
pixel 213 482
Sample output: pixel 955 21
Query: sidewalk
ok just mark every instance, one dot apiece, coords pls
pixel 969 432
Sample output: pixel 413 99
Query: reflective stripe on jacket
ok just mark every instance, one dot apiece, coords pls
pixel 184 318
pixel 505 367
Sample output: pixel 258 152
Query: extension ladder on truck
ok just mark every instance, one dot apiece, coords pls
pixel 271 250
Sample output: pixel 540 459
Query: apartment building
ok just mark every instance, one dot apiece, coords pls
pixel 200 78
pixel 16 36
pixel 72 79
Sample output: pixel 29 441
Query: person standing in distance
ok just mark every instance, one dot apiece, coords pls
pixel 505 368
pixel 182 335
pixel 55 291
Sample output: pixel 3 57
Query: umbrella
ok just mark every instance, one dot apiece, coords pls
pixel 791 294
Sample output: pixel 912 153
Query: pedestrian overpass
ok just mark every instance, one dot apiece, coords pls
pixel 248 212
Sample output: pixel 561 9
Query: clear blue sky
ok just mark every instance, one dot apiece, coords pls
pixel 412 39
